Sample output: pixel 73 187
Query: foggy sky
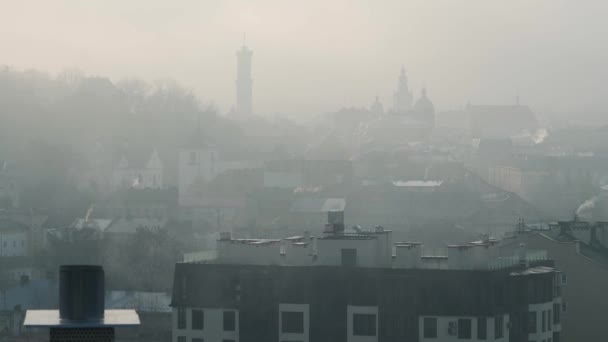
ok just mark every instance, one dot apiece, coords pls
pixel 315 56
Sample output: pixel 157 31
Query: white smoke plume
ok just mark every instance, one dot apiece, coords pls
pixel 540 135
pixel 588 205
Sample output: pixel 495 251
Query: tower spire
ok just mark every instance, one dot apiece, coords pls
pixel 244 82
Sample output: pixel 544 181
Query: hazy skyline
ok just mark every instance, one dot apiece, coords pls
pixel 316 56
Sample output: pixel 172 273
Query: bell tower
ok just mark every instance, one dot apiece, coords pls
pixel 244 87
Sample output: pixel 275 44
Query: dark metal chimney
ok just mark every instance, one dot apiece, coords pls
pixel 81 292
pixel 81 316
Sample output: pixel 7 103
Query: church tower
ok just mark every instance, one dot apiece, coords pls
pixel 244 97
pixel 402 98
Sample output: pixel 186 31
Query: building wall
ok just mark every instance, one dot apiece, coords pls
pixel 350 312
pixel 137 178
pixel 213 329
pixel 543 311
pixel 13 243
pixel 506 177
pixel 196 164
pixel 587 281
pixel 332 295
pixel 445 334
pixel 236 252
pixel 305 310
pixel 329 251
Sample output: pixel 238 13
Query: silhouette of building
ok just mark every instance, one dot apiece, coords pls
pixel 402 98
pixel 244 90
pixel 138 169
pixel 376 107
pixel 424 110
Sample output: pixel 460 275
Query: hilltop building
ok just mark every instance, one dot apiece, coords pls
pixel 402 98
pixel 244 82
pixel 137 169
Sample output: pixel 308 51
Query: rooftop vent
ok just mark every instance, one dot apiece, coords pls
pixel 81 315
pixel 335 222
pixel 81 292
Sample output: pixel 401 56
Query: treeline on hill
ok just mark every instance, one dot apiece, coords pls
pixel 51 127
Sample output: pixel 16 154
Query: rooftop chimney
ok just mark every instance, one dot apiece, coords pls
pixel 81 315
pixel 335 221
pixel 81 292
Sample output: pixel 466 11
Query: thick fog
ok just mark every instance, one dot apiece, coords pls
pixel 312 57
pixel 443 165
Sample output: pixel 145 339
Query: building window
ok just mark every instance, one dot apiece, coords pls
pixel 228 341
pixel 543 321
pixel 197 339
pixel 292 322
pixel 464 329
pixel 555 337
pixel 364 324
pixel 532 322
pixel 498 326
pixel 181 318
pixel 229 321
pixel 549 320
pixel 349 257
pixel 430 327
pixel 181 338
pixel 482 328
pixel 198 320
pixel 192 157
pixel 556 314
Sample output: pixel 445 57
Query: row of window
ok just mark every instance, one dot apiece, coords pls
pixel 463 328
pixel 197 319
pixel 5 243
pixel 546 321
pixel 292 322
pixel 554 339
pixel 197 339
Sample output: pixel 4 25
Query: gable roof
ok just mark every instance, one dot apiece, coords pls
pixel 136 157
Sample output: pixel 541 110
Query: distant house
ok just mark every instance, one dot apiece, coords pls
pixel 36 294
pixel 123 228
pixel 20 237
pixel 137 169
pixel 82 229
pixel 200 164
pixel 14 238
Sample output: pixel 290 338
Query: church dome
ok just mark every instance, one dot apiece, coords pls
pixel 424 108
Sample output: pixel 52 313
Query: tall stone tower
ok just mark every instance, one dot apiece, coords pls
pixel 244 91
pixel 402 98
